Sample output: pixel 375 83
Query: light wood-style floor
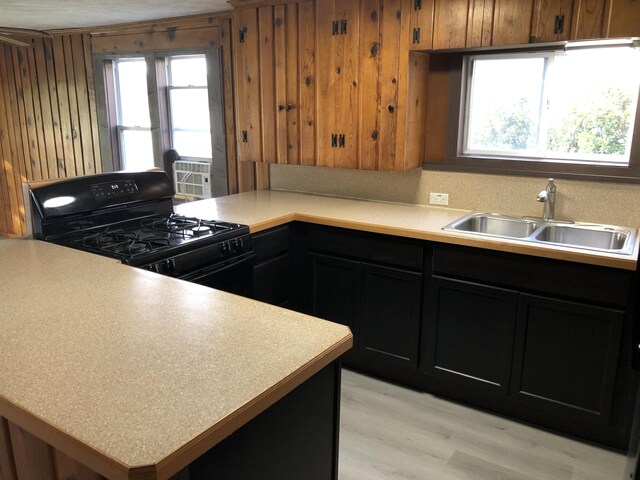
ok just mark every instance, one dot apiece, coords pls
pixel 393 433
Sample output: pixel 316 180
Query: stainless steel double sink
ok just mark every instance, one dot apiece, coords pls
pixel 603 238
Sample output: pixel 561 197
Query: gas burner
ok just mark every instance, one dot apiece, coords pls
pixel 120 242
pixel 198 229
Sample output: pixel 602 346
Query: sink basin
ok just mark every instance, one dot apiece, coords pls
pixel 496 225
pixel 604 238
pixel 593 237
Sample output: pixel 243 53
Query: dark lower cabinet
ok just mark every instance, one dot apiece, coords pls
pixel 541 340
pixel 391 299
pixel 553 353
pixel 272 272
pixel 335 295
pixel 294 439
pixel 469 333
pixel 373 284
pixel 567 357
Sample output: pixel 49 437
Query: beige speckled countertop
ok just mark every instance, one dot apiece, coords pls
pixel 268 208
pixel 130 371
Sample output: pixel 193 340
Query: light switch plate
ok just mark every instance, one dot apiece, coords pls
pixel 438 198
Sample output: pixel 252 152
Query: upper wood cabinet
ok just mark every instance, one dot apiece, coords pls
pixel 329 83
pixel 337 23
pixel 275 83
pixel 622 18
pixel 455 24
pixel 370 92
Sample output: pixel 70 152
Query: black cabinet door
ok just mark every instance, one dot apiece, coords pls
pixel 567 357
pixel 391 305
pixel 272 280
pixel 272 273
pixel 469 334
pixel 336 294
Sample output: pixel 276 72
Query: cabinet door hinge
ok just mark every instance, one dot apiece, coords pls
pixel 243 34
pixel 417 4
pixel 558 25
pixel 416 35
pixel 334 140
pixel 245 137
pixel 341 140
pixel 334 27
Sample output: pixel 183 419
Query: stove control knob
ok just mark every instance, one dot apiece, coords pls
pixel 170 265
pixel 224 249
pixel 234 245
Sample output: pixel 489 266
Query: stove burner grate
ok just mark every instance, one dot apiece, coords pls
pixel 185 226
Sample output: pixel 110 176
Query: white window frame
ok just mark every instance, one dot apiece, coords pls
pixel 120 127
pixel 169 88
pixel 537 155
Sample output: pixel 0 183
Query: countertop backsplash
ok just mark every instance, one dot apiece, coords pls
pixel 584 201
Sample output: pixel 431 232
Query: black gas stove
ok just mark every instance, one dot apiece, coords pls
pixel 129 216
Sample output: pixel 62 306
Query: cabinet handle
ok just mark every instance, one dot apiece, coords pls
pixel 416 35
pixel 334 140
pixel 245 137
pixel 558 25
pixel 243 34
pixel 341 141
pixel 334 30
pixel 417 5
pixel 343 27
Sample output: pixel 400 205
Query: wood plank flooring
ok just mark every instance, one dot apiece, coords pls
pixel 393 433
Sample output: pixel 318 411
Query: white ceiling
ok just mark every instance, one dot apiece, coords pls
pixel 55 14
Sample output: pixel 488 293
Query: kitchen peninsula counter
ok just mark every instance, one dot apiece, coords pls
pixel 135 374
pixel 264 209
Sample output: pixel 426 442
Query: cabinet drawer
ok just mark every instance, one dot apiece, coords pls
pixel 384 249
pixel 555 277
pixel 271 242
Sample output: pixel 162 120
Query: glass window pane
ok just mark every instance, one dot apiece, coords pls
pixel 131 81
pixel 592 101
pixel 137 150
pixel 192 144
pixel 189 109
pixel 188 71
pixel 504 105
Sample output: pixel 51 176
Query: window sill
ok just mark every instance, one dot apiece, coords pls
pixel 601 173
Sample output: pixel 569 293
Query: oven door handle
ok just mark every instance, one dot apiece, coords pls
pixel 220 268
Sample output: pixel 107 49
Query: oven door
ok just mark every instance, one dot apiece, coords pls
pixel 233 276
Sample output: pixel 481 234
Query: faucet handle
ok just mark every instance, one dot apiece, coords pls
pixel 551 186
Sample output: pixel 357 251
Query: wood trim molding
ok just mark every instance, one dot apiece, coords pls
pixel 151 26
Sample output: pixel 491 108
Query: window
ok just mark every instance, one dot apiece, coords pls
pixel 150 103
pixel 563 107
pixel 189 105
pixel 132 112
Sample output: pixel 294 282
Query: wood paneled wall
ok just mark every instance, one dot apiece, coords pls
pixel 48 124
pixel 47 119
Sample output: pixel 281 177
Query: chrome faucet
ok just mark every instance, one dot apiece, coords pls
pixel 548 197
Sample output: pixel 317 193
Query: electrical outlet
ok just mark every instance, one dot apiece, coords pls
pixel 439 198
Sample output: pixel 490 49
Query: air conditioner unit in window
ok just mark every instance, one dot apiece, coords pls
pixel 192 179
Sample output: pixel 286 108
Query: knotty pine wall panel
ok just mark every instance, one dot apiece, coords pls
pixel 48 127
